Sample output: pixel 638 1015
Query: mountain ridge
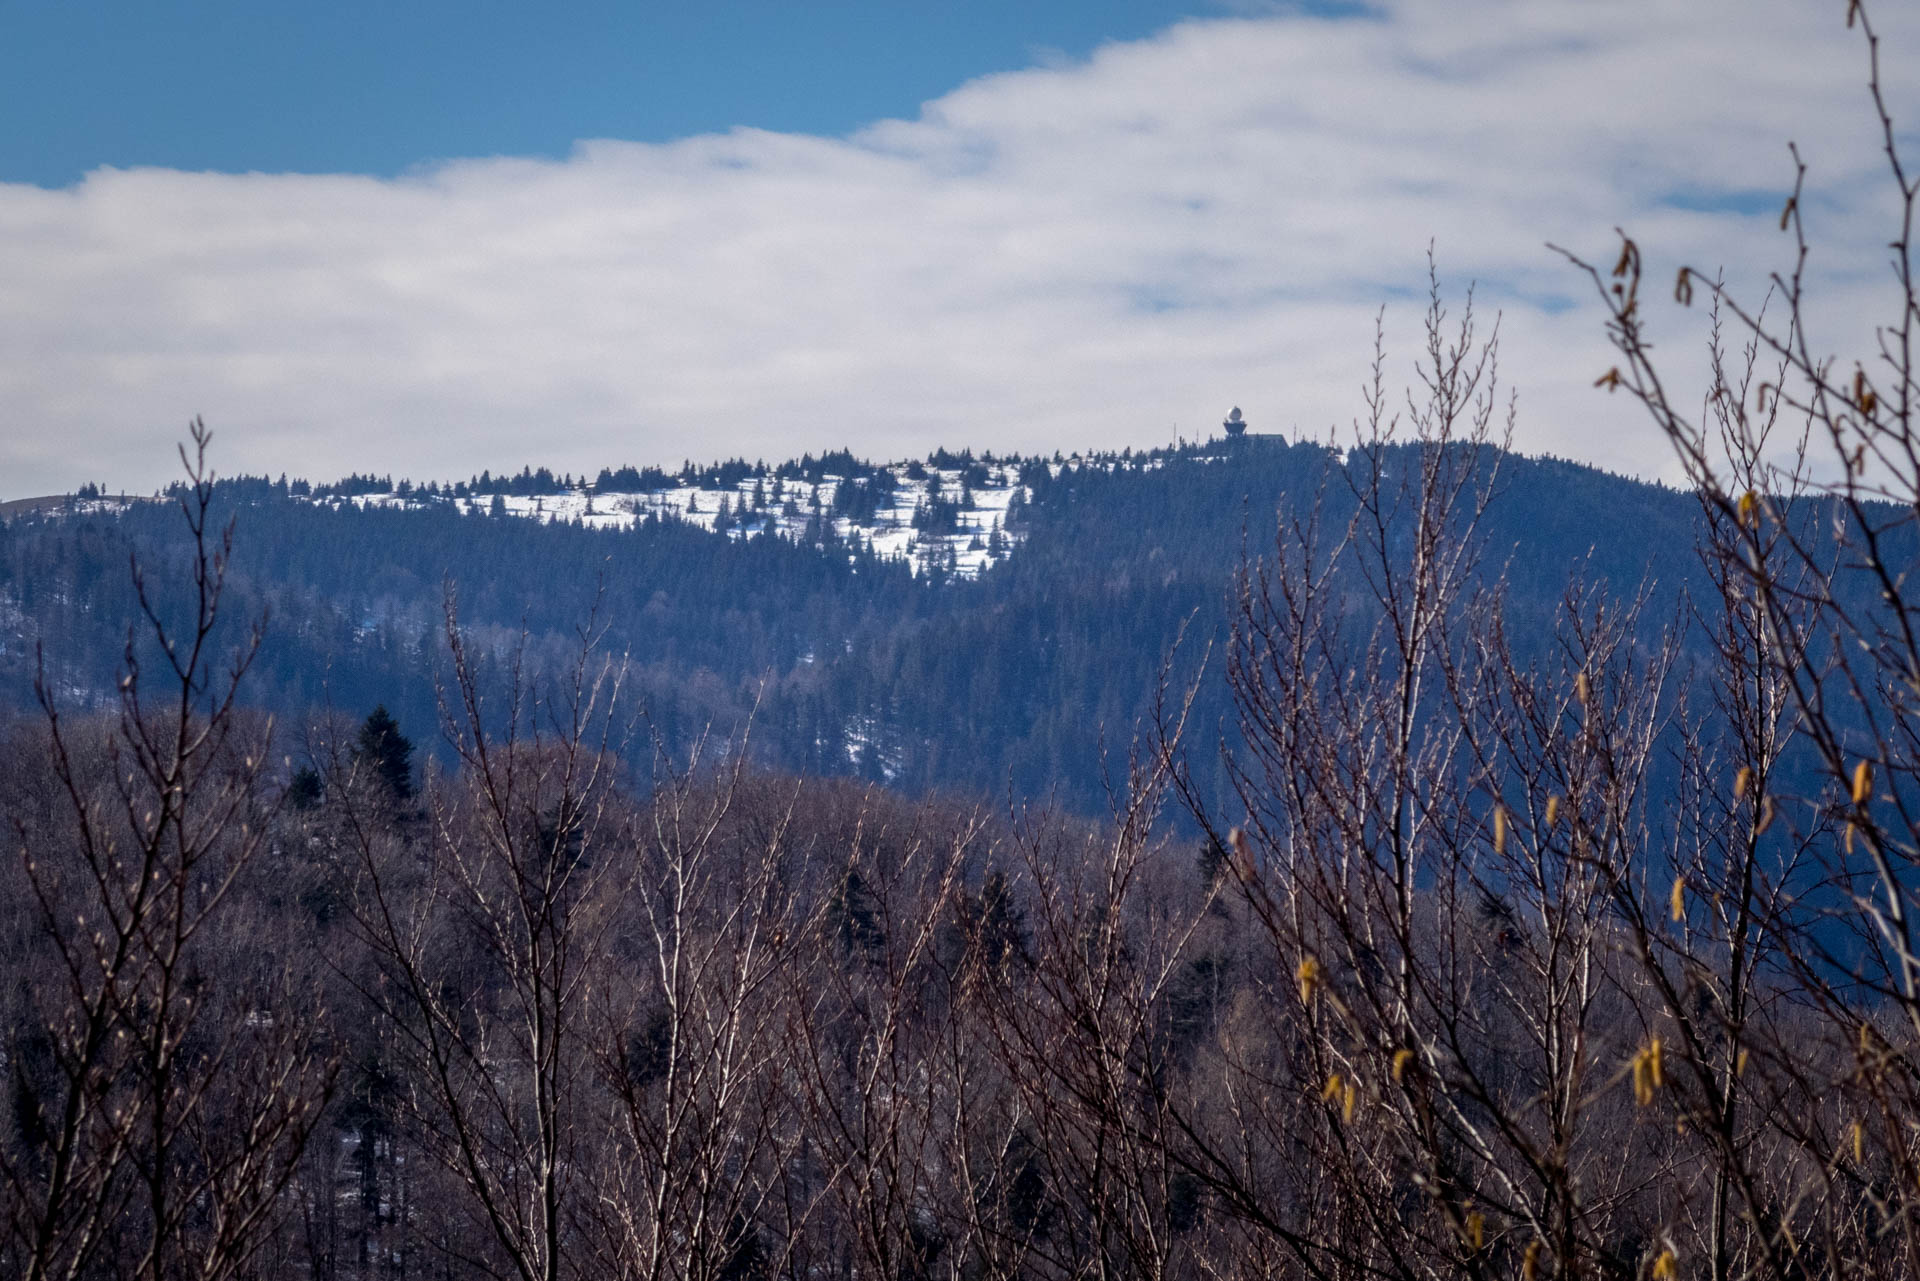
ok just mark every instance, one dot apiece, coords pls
pixel 1010 671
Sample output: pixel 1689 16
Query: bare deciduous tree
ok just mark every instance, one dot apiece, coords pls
pixel 162 1095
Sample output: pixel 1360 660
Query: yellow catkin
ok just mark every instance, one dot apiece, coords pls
pixel 1553 810
pixel 1499 829
pixel 1862 783
pixel 1740 1063
pixel 1859 1144
pixel 1742 781
pixel 1849 837
pixel 1349 1099
pixel 1476 1230
pixel 1582 688
pixel 1307 975
pixel 1679 903
pixel 1766 817
pixel 1530 1262
pixel 1331 1089
pixel 1666 1266
pixel 1749 506
pixel 1402 1059
pixel 1647 1073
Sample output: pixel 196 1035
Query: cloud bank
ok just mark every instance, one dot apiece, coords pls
pixel 1091 255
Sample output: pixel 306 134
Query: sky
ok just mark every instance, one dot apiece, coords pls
pixel 428 239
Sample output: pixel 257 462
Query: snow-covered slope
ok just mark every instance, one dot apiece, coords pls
pixel 978 535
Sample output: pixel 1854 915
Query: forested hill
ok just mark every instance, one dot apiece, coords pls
pixel 862 659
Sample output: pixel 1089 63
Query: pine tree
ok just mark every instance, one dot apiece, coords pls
pixel 387 753
pixel 305 789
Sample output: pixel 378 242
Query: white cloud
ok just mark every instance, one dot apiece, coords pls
pixel 1071 256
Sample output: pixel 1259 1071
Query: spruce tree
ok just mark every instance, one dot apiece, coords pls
pixel 387 753
pixel 305 789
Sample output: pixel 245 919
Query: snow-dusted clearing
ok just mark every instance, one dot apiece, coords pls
pixel 793 508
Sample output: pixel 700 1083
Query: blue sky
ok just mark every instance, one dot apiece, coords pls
pixel 357 87
pixel 485 236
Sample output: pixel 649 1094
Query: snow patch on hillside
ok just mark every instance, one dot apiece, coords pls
pixel 965 538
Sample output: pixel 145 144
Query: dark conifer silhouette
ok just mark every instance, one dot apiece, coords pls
pixel 387 753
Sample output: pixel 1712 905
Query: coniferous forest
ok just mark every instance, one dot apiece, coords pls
pixel 1031 678
pixel 1393 857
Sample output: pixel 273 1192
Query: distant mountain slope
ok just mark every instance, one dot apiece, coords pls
pixel 944 517
pixel 869 646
